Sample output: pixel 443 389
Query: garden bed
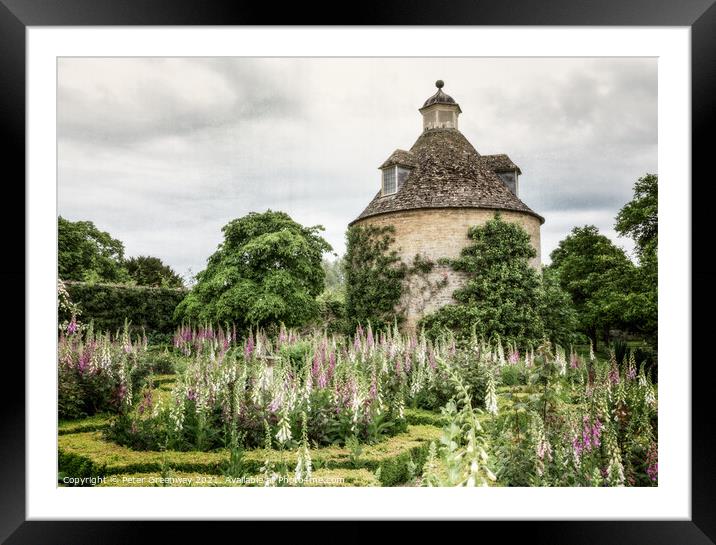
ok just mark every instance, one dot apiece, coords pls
pixel 88 454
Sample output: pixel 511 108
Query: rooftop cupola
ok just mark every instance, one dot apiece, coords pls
pixel 440 111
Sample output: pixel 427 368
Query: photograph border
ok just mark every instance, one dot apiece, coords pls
pixel 13 23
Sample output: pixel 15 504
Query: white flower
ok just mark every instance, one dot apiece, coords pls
pixel 284 430
pixel 491 396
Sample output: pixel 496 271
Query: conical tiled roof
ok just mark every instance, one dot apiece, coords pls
pixel 448 173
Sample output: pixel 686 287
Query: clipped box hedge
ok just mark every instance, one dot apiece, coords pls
pixel 88 454
pixel 107 305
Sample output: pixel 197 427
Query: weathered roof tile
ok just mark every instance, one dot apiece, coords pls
pixel 448 173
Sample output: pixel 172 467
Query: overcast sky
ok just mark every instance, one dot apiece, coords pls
pixel 161 153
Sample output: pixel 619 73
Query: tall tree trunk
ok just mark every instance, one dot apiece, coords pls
pixel 593 336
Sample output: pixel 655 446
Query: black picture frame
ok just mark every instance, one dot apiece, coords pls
pixel 699 15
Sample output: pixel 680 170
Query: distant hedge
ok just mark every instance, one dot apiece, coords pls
pixel 107 305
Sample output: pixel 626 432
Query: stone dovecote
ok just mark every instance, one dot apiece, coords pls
pixel 445 187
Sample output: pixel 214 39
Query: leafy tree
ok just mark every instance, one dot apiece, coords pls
pixel 150 271
pixel 87 254
pixel 335 275
pixel 598 275
pixel 267 270
pixel 638 219
pixel 373 276
pixel 502 294
pixel 559 317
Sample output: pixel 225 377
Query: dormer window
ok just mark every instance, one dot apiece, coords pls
pixel 389 181
pixel 509 178
pixel 393 179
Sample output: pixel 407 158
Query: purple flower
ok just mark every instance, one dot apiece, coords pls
pixel 331 364
pixel 614 375
pixel 121 392
pixel 597 433
pixel 514 357
pixel 316 365
pixel 83 361
pixel 146 403
pixel 72 326
pixel 373 389
pixel 275 405
pixel 408 362
pixel 577 446
pixel 249 349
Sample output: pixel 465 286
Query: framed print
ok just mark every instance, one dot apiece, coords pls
pixel 407 270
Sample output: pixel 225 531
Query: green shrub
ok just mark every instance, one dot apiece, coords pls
pixel 513 374
pixel 297 353
pixel 70 402
pixel 332 312
pixel 76 466
pixel 160 361
pixel 146 308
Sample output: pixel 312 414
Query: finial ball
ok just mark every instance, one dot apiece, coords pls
pixel 439 84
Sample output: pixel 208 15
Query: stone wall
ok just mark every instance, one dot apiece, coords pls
pixel 436 233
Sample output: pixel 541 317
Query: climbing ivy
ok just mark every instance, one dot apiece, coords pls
pixel 502 294
pixel 374 277
pixel 422 284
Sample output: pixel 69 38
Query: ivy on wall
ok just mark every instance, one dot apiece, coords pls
pixel 422 287
pixel 374 277
pixel 502 294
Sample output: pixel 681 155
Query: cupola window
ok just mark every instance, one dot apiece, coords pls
pixel 393 179
pixel 440 111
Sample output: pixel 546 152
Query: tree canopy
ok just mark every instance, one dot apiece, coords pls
pixel 598 275
pixel 335 275
pixel 151 271
pixel 87 254
pixel 559 317
pixel 267 270
pixel 638 219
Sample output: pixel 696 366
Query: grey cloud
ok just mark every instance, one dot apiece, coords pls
pixel 163 153
pixel 132 111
